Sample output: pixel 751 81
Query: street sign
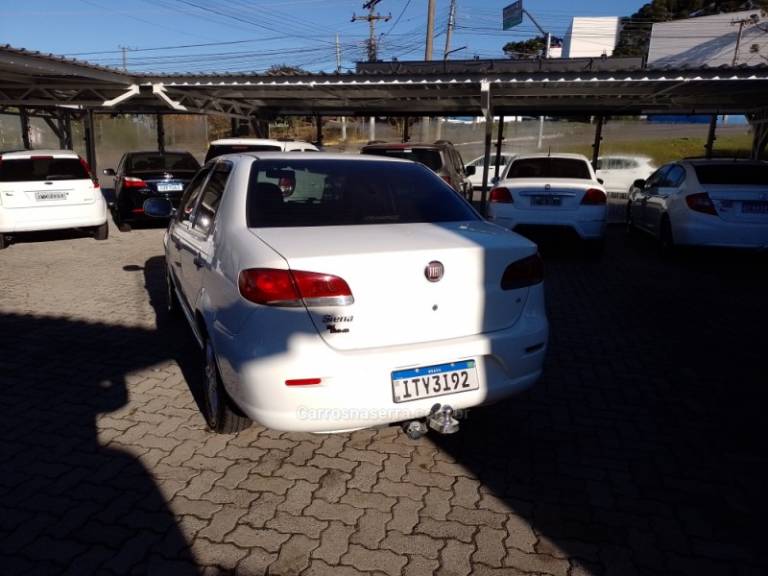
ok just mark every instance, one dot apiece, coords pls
pixel 513 15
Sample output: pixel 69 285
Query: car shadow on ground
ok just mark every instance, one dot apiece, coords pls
pixel 642 448
pixel 71 498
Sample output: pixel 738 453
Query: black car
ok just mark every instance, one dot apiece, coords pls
pixel 142 175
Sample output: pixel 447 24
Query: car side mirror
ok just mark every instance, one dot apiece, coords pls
pixel 601 181
pixel 109 172
pixel 639 183
pixel 158 208
pixel 470 170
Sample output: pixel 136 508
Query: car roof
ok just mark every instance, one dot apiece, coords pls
pixel 704 161
pixel 624 156
pixel 327 156
pixel 157 152
pixel 255 141
pixel 404 146
pixel 24 154
pixel 565 155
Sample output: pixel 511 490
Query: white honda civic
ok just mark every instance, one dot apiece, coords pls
pixel 335 292
pixel 551 191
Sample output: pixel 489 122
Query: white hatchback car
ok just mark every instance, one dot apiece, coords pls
pixel 717 202
pixel 239 145
pixel 370 293
pixel 49 190
pixel 618 173
pixel 477 178
pixel 551 191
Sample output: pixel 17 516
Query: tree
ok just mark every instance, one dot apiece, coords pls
pixel 531 48
pixel 636 30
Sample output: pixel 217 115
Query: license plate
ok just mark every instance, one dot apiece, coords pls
pixel 755 207
pixel 170 186
pixel 432 381
pixel 50 196
pixel 545 200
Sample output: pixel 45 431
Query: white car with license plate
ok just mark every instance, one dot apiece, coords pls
pixel 549 192
pixel 334 292
pixel 699 202
pixel 48 190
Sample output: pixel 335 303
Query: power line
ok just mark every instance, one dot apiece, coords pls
pixel 371 18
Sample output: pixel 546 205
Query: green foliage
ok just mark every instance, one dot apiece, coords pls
pixel 636 30
pixel 525 49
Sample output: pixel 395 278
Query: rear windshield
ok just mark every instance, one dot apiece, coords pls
pixel 347 192
pixel 154 162
pixel 430 158
pixel 42 168
pixel 549 168
pixel 739 174
pixel 221 149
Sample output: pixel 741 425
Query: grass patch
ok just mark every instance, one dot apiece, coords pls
pixel 669 149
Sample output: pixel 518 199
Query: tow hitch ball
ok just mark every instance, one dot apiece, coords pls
pixel 441 420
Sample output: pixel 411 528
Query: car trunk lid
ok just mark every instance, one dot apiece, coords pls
pixel 40 181
pixel 550 194
pixel 386 267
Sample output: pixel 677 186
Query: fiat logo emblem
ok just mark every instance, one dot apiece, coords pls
pixel 434 271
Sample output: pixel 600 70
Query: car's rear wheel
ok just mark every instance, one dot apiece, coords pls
pixel 221 414
pixel 4 241
pixel 101 232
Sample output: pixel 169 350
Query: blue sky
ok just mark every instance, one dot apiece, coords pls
pixel 238 35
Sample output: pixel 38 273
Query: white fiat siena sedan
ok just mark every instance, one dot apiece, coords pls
pixel 551 191
pixel 335 292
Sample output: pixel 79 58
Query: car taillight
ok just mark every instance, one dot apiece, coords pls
pixel 701 203
pixel 593 197
pixel 523 273
pixel 133 182
pixel 501 195
pixel 87 168
pixel 273 287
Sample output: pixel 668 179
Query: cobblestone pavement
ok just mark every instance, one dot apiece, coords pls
pixel 642 450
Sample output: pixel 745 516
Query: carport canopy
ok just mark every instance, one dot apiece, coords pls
pixel 46 84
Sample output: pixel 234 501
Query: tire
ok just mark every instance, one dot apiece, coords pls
pixel 101 232
pixel 631 231
pixel 221 414
pixel 666 240
pixel 118 218
pixel 4 242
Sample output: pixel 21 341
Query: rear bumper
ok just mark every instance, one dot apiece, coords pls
pixel 705 230
pixel 39 218
pixel 356 390
pixel 588 223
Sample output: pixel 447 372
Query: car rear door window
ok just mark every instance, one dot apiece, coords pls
pixel 211 198
pixel 348 192
pixel 192 194
pixel 43 168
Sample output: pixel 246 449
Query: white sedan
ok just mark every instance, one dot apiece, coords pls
pixel 334 292
pixel 720 203
pixel 551 191
pixel 49 190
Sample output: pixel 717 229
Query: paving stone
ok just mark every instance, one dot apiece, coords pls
pixel 370 560
pixel 289 524
pixel 521 535
pixel 412 544
pixel 490 546
pixel 333 486
pixel 324 511
pixel 247 537
pixel 449 530
pixel 308 473
pixel 324 462
pixel 222 523
pixel 536 562
pixel 371 528
pixel 362 500
pixel 405 515
pixel 334 542
pixel 454 559
pixel 294 556
pixel 256 563
pixel 298 497
pixel 400 489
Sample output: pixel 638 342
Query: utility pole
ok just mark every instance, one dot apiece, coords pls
pixel 338 71
pixel 751 21
pixel 449 31
pixel 430 30
pixel 371 18
pixel 125 57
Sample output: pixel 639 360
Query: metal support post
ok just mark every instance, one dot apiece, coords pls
pixel 24 117
pixel 540 141
pixel 66 128
pixel 372 129
pixel 487 106
pixel 233 127
pixel 499 140
pixel 598 140
pixel 319 127
pixel 711 136
pixel 406 131
pixel 90 141
pixel 343 128
pixel 160 133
